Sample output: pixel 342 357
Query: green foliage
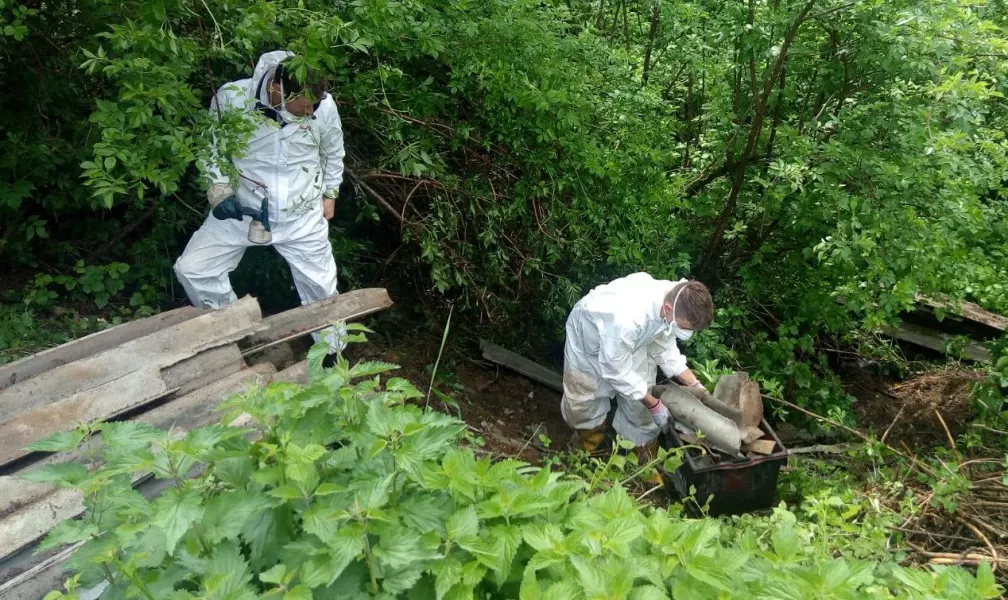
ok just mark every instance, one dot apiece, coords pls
pixel 789 153
pixel 350 490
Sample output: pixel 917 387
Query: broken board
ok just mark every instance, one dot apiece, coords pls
pixel 520 364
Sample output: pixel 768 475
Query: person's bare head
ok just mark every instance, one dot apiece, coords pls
pixel 692 305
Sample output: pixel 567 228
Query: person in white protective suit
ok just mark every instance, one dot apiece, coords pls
pixel 617 337
pixel 281 190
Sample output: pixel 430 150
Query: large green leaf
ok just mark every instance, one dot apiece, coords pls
pixel 175 512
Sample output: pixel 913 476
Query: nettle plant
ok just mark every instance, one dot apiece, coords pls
pixel 343 488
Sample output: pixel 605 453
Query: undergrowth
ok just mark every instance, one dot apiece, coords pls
pixel 347 488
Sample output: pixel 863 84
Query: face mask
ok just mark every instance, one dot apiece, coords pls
pixel 679 332
pixel 289 117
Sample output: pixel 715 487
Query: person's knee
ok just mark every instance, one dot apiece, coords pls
pixel 184 269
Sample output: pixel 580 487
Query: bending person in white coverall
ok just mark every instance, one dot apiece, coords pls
pixel 294 161
pixel 617 337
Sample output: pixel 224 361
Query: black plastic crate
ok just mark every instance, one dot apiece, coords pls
pixel 738 485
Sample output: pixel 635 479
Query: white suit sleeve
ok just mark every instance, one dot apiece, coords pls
pixel 666 355
pixel 331 146
pixel 616 363
pixel 211 166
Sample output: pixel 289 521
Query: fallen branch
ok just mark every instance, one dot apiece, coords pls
pixel 948 434
pixel 983 537
pixel 850 430
pixel 885 434
pixel 824 449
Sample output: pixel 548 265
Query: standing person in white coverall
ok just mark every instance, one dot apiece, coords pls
pixel 294 162
pixel 617 337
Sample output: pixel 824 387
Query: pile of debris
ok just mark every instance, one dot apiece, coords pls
pixel 170 370
pixel 729 420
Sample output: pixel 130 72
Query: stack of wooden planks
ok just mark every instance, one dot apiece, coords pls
pixel 170 370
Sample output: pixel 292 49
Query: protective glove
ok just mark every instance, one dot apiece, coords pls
pixel 223 202
pixel 660 416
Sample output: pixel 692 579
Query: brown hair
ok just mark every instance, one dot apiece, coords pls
pixel 695 303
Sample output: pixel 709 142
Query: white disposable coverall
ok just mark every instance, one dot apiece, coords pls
pixel 292 165
pixel 616 339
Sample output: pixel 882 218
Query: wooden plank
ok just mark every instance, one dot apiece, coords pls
pixel 306 319
pixel 159 349
pixel 25 523
pixel 522 365
pixel 296 373
pixel 100 403
pixel 203 369
pixel 764 447
pixel 116 397
pixel 40 579
pixel 971 311
pixel 935 340
pixel 92 344
pixel 48 572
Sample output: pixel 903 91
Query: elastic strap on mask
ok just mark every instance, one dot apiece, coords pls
pixel 674 300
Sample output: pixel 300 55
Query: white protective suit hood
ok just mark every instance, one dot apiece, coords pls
pixel 263 74
pixel 292 161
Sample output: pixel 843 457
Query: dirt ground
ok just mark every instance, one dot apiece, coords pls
pixel 921 412
pixel 514 416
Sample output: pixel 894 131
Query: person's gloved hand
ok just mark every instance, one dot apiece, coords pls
pixel 223 202
pixel 659 412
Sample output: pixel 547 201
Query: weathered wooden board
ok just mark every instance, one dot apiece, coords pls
pixel 39 579
pixel 102 402
pixel 935 340
pixel 764 447
pixel 29 514
pixel 970 311
pixel 522 365
pixel 296 373
pixel 93 344
pixel 159 349
pixel 318 315
pixel 203 369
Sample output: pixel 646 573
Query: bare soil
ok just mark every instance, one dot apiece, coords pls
pixel 922 412
pixel 514 416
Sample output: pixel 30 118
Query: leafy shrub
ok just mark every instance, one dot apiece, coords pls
pixel 787 152
pixel 348 490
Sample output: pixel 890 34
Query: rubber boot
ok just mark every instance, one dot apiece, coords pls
pixel 590 440
pixel 645 454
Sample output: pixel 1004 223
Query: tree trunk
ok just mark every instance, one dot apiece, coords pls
pixel 655 18
pixel 717 237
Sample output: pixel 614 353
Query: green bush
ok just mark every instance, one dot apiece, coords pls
pixel 350 491
pixel 786 152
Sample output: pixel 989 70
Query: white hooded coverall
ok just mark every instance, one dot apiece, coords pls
pixel 616 339
pixel 292 164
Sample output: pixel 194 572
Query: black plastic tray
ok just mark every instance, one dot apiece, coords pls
pixel 737 485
